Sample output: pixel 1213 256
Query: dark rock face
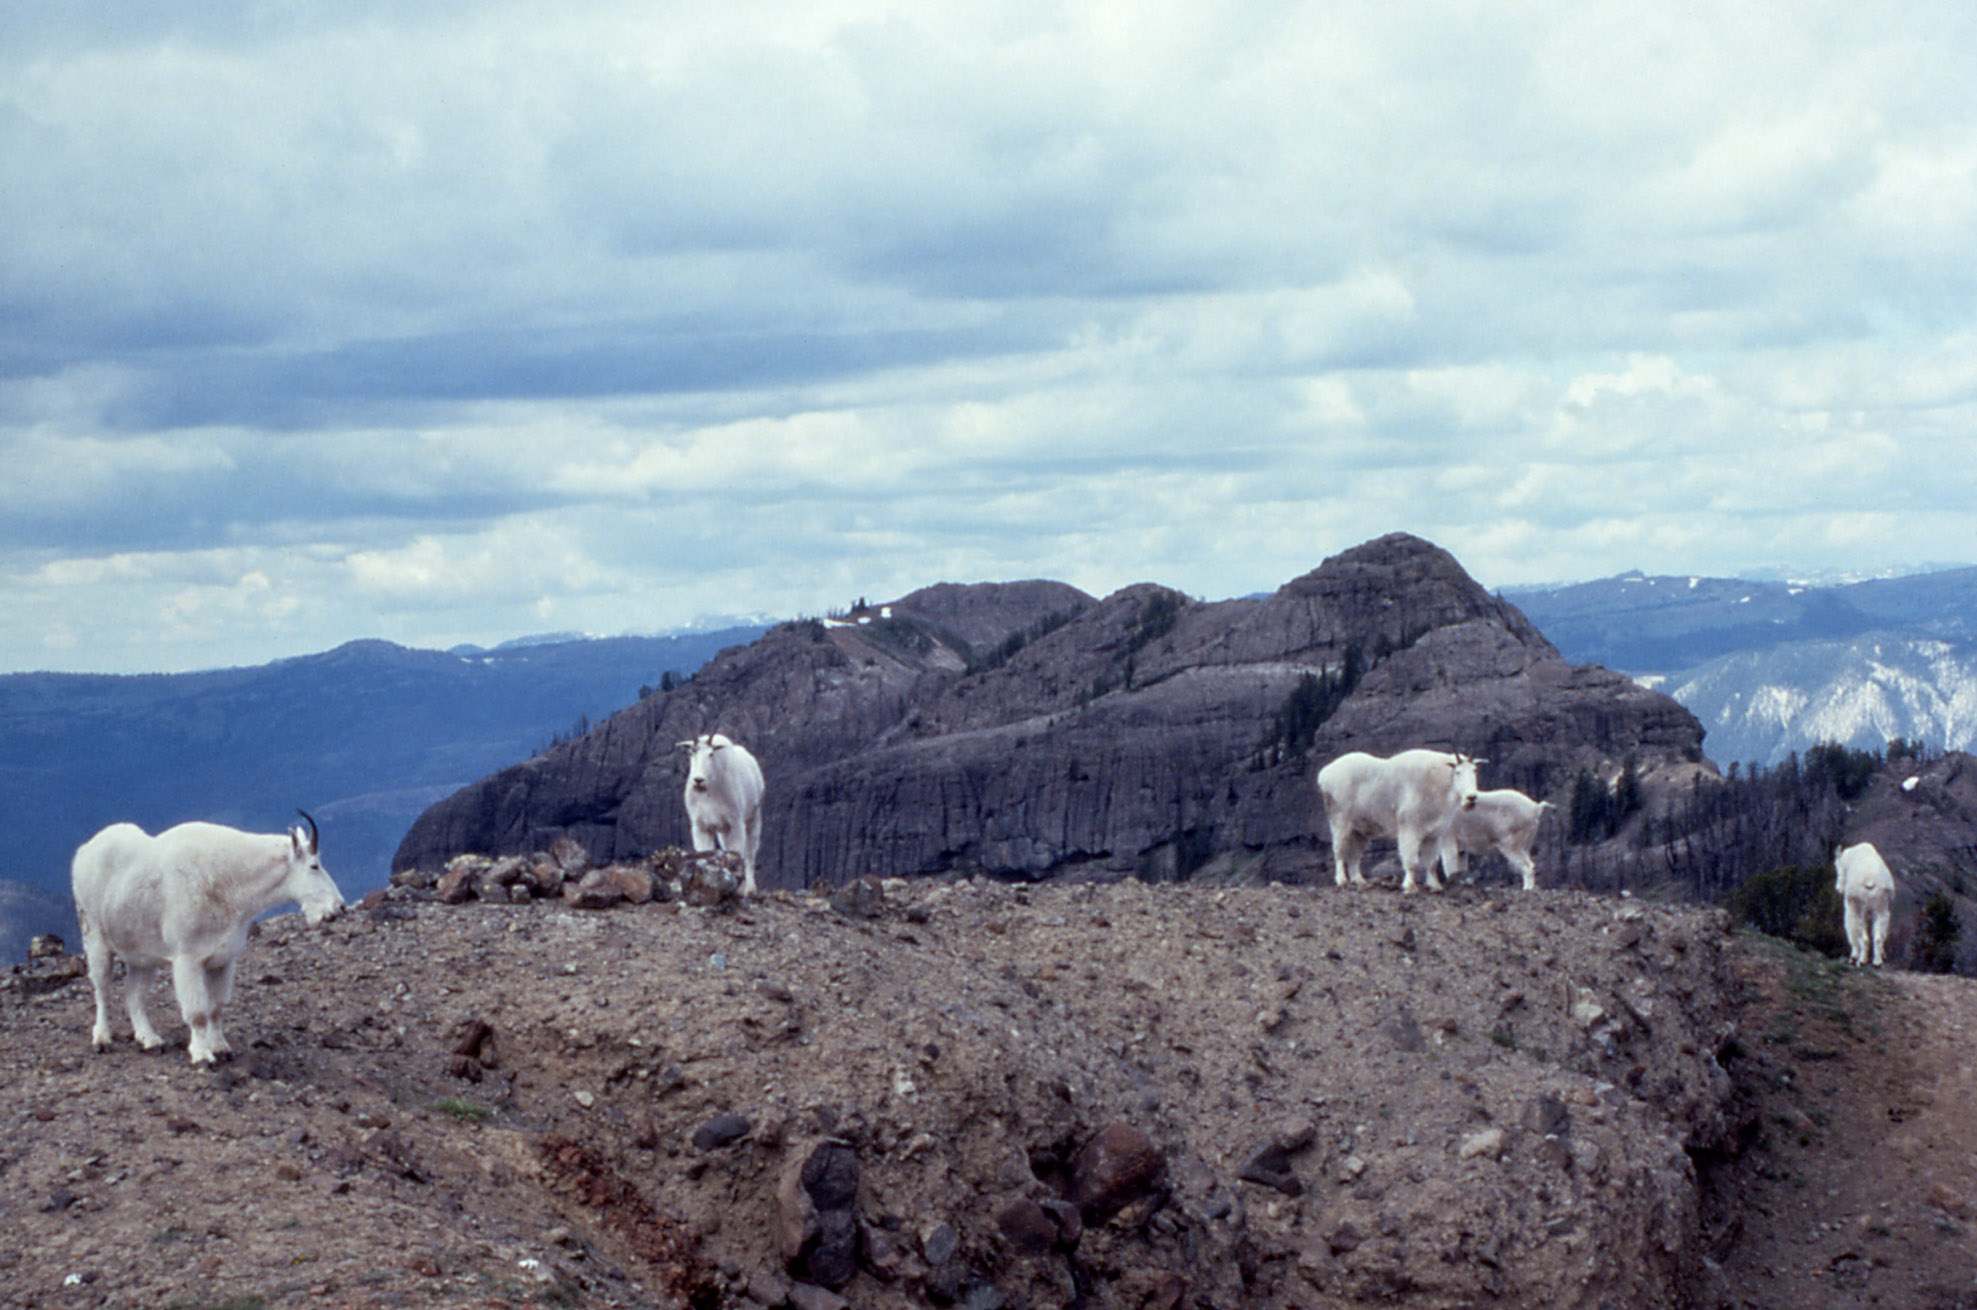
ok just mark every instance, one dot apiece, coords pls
pixel 1028 730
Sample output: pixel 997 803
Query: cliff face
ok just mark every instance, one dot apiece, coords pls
pixel 1028 729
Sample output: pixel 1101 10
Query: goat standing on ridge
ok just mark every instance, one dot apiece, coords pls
pixel 185 899
pixel 724 800
pixel 1868 890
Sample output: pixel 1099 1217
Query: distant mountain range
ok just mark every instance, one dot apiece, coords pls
pixel 1774 667
pixel 364 737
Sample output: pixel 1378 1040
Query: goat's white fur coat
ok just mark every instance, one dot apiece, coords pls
pixel 184 899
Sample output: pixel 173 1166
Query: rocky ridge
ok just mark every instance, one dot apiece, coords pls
pixel 930 1092
pixel 1028 730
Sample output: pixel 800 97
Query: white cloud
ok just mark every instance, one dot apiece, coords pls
pixel 445 322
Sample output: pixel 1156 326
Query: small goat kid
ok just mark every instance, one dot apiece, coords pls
pixel 1867 889
pixel 1503 821
pixel 724 800
pixel 184 899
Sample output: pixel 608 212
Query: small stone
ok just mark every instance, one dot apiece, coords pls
pixel 861 898
pixel 635 884
pixel 1119 1165
pixel 1026 1227
pixel 457 885
pixel 1948 1200
pixel 938 1243
pixel 586 1099
pixel 809 1296
pixel 1270 1166
pixel 1293 1134
pixel 722 1130
pixel 1351 1168
pixel 1545 1115
pixel 1488 1142
pixel 1344 1237
pixel 593 891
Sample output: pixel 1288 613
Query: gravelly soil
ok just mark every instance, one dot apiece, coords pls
pixel 1483 1097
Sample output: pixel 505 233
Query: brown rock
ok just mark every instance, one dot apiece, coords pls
pixel 594 891
pixel 635 883
pixel 457 885
pixel 1026 1227
pixel 1119 1165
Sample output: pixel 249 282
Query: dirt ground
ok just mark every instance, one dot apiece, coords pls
pixel 1106 1096
pixel 1858 1181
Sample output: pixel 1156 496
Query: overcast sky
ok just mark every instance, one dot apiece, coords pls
pixel 448 322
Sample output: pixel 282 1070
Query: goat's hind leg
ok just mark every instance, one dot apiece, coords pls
pixel 139 979
pixel 101 965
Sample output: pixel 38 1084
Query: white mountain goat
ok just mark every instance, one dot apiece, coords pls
pixel 1868 890
pixel 1410 797
pixel 724 800
pixel 1505 821
pixel 185 899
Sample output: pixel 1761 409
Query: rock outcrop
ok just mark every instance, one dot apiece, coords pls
pixel 1030 730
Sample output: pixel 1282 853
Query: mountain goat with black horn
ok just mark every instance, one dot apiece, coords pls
pixel 724 800
pixel 1411 797
pixel 185 899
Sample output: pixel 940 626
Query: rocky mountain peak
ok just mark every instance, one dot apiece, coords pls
pixel 1026 729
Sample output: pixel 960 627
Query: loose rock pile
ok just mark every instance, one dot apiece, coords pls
pixel 564 872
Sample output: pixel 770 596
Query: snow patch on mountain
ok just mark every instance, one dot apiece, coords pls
pixel 1760 706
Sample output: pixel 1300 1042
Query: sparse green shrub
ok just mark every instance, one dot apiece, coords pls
pixel 462 1110
pixel 1796 904
pixel 1315 699
pixel 1936 935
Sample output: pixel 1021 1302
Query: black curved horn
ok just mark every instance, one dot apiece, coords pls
pixel 315 837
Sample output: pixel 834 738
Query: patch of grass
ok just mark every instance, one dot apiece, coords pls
pixel 461 1109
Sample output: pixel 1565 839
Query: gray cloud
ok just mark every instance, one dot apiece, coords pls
pixel 448 322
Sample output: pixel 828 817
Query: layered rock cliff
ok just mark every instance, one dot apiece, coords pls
pixel 1028 729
